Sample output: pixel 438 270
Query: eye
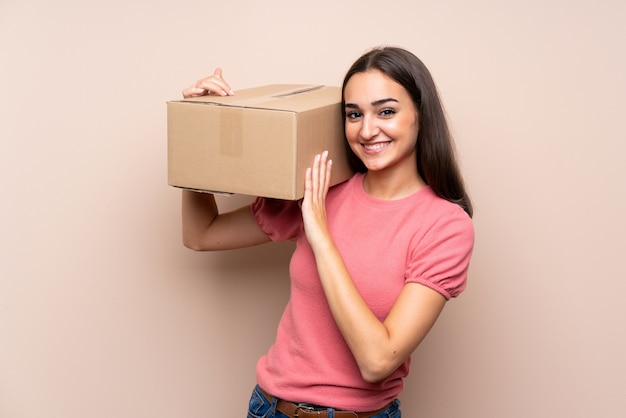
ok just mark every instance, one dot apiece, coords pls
pixel 353 115
pixel 387 112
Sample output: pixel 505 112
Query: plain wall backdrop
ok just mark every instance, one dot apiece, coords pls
pixel 103 313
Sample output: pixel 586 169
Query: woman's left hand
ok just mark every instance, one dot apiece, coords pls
pixel 316 187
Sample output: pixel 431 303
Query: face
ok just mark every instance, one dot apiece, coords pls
pixel 382 122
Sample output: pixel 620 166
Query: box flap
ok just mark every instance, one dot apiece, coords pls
pixel 285 97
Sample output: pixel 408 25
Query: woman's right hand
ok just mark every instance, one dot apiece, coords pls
pixel 213 84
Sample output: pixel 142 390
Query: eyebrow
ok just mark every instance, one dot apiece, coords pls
pixel 375 103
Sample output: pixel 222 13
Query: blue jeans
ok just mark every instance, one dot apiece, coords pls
pixel 262 408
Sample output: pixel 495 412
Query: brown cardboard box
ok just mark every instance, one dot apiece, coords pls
pixel 258 142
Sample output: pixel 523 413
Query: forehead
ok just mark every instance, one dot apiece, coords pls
pixel 370 86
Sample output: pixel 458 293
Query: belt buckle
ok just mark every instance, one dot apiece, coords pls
pixel 307 409
pixel 321 412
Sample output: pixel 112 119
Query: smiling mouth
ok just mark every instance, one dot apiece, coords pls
pixel 377 146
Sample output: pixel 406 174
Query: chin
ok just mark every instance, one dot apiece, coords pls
pixel 374 166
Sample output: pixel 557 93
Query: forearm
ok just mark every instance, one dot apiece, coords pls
pixel 379 347
pixel 368 338
pixel 205 229
pixel 199 210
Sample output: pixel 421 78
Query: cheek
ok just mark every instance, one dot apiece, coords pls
pixel 352 132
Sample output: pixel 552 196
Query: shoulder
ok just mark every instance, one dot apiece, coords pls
pixel 435 210
pixel 440 253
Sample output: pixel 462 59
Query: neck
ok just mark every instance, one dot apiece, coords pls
pixel 386 186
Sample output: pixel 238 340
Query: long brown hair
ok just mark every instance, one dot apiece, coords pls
pixel 436 157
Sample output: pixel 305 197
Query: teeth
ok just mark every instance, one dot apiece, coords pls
pixel 373 147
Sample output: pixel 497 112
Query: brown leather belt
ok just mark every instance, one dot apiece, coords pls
pixel 293 410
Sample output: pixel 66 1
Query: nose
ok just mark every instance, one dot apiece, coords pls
pixel 369 128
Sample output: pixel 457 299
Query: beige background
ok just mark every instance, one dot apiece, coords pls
pixel 104 314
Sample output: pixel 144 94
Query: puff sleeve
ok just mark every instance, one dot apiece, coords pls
pixel 440 258
pixel 281 220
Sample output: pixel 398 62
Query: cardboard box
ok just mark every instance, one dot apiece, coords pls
pixel 258 142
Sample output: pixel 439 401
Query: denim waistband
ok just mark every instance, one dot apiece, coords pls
pixel 264 405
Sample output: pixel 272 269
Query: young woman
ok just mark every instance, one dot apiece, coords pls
pixel 376 257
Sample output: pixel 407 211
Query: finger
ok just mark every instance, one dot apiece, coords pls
pixel 321 179
pixel 217 80
pixel 213 84
pixel 329 170
pixel 308 190
pixel 193 92
pixel 317 164
pixel 325 170
pixel 308 183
